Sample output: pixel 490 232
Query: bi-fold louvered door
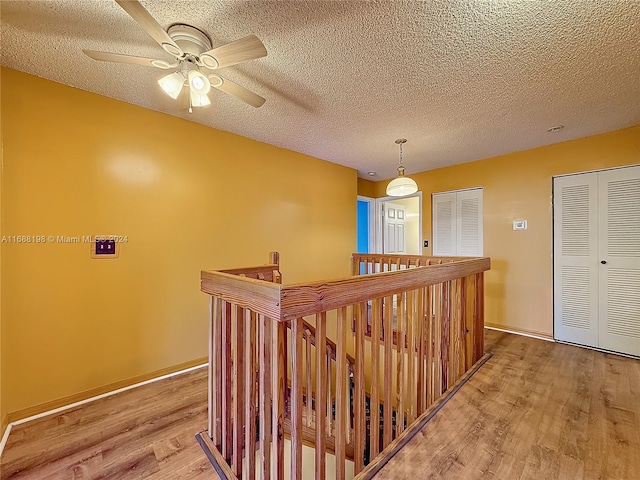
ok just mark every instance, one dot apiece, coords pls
pixel 597 259
pixel 457 223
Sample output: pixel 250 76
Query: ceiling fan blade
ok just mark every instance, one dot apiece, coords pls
pixel 235 90
pixel 243 50
pixel 151 26
pixel 116 57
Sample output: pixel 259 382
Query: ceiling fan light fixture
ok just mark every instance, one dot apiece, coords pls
pixel 401 185
pixel 198 100
pixel 172 84
pixel 199 83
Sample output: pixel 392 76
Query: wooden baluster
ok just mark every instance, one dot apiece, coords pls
pixel 446 320
pixel 321 395
pixel 400 347
pixel 279 385
pixel 329 393
pixel 347 411
pixel 237 318
pixel 296 399
pixel 437 367
pixel 374 440
pixel 429 314
pixel 360 430
pixel 420 385
pixel 265 396
pixel 458 330
pixel 387 426
pixel 227 382
pixel 341 394
pixel 479 319
pixel 411 382
pixel 309 405
pixel 250 370
pixel 215 371
pixel 468 320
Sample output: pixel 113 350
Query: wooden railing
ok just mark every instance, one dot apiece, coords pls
pixel 273 375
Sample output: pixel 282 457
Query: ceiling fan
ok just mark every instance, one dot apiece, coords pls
pixel 193 54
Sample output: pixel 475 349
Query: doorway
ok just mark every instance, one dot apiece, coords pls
pixel 373 222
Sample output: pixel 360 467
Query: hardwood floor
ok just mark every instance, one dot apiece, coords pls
pixel 535 410
pixel 144 433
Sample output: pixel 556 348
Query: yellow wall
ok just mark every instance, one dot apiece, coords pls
pixel 188 197
pixel 2 404
pixel 518 186
pixel 366 188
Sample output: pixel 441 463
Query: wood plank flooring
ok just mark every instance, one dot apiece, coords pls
pixel 535 410
pixel 144 433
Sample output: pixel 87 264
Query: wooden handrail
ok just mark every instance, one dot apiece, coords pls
pixel 304 299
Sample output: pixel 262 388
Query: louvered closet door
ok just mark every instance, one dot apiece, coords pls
pixel 619 245
pixel 575 222
pixel 444 224
pixel 469 224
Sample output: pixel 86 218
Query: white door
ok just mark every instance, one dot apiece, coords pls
pixel 597 259
pixel 575 272
pixel 619 247
pixel 394 231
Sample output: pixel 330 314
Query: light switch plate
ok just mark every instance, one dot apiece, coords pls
pixel 104 248
pixel 519 224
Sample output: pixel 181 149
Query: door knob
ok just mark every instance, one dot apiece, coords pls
pixel 604 262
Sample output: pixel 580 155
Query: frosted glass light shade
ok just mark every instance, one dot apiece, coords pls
pixel 401 186
pixel 199 83
pixel 172 84
pixel 199 100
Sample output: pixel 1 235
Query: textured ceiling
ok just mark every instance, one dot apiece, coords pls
pixel 460 79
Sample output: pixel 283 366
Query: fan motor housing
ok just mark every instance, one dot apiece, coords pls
pixel 190 39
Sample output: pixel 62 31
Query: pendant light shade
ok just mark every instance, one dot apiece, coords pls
pixel 401 185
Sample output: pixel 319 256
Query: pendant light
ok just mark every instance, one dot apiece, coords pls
pixel 401 185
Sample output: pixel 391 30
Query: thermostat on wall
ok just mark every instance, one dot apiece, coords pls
pixel 519 224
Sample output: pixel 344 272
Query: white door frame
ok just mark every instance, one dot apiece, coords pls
pixel 377 220
pixel 371 221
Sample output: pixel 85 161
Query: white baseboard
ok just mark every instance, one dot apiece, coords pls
pixel 515 332
pixel 7 431
pixel 5 437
